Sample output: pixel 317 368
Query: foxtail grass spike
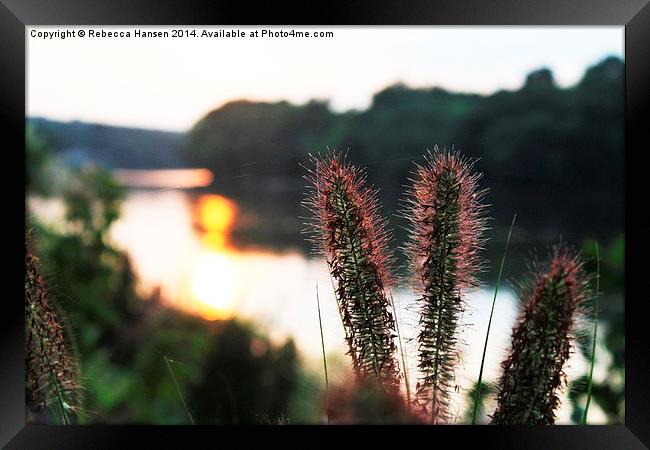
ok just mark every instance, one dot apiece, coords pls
pixel 350 233
pixel 446 227
pixel 479 383
pixel 590 381
pixel 541 343
pixel 51 372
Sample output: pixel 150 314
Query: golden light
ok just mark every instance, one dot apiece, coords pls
pixel 214 240
pixel 216 213
pixel 215 284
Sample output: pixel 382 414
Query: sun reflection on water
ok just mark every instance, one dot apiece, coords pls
pixel 216 214
pixel 215 279
pixel 215 283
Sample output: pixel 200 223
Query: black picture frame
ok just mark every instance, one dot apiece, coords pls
pixel 634 15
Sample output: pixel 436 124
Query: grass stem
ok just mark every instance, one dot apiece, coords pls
pixel 593 344
pixel 178 389
pixel 322 343
pixel 487 334
pixel 401 350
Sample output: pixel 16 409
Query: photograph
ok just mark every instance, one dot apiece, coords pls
pixel 324 225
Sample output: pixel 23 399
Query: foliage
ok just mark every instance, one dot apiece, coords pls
pixel 123 336
pixel 244 378
pixel 527 140
pixel 609 391
pixel 37 152
pixel 363 403
pixel 94 279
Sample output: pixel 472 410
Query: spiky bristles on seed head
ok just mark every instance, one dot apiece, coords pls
pixel 446 218
pixel 350 233
pixel 51 371
pixel 331 175
pixel 541 341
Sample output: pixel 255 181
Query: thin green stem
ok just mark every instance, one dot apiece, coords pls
pixel 401 350
pixel 178 389
pixel 322 343
pixel 593 344
pixel 477 399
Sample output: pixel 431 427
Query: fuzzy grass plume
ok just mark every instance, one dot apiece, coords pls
pixel 51 372
pixel 349 232
pixel 541 343
pixel 446 226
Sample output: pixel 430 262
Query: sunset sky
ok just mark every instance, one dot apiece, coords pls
pixel 170 83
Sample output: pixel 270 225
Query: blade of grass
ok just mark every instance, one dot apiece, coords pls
pixel 322 343
pixel 487 334
pixel 178 389
pixel 593 344
pixel 401 350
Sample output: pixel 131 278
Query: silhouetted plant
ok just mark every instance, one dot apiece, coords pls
pixel 446 226
pixel 350 233
pixel 244 378
pixel 542 342
pixel 51 372
pixel 366 403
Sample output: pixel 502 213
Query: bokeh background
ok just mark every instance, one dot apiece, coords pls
pixel 164 183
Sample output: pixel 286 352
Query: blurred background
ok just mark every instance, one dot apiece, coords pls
pixel 164 183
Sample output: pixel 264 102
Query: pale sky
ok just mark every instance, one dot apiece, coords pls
pixel 170 83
